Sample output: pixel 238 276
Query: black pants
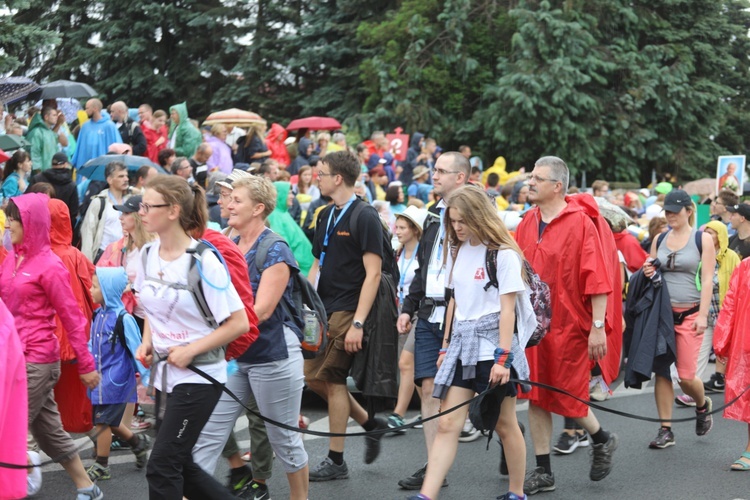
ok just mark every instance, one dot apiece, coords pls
pixel 171 472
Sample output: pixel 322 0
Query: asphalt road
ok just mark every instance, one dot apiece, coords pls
pixel 696 468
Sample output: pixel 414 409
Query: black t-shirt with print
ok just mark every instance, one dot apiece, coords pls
pixel 343 272
pixel 742 247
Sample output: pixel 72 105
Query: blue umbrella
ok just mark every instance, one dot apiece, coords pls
pixel 14 88
pixel 94 169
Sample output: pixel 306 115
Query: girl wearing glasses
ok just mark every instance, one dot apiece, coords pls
pixel 176 335
pixel 688 273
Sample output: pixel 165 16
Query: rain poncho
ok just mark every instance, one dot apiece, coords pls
pixel 727 258
pixel 275 142
pixel 283 224
pixel 732 341
pixel 43 143
pixel 186 137
pixel 94 140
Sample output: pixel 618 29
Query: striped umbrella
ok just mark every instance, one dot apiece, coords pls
pixel 14 88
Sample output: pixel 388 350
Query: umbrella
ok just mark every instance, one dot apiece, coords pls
pixel 615 215
pixel 701 187
pixel 14 88
pixel 68 106
pixel 64 88
pixel 315 123
pixel 3 156
pixel 94 168
pixel 234 118
pixel 10 142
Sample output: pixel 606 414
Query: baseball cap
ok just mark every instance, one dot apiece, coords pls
pixel 132 204
pixel 676 200
pixel 743 209
pixel 235 175
pixel 59 158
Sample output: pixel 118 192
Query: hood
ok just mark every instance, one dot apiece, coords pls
pixel 582 202
pixel 61 233
pixel 36 223
pixel 112 281
pixel 516 189
pixel 282 192
pixel 277 134
pixel 58 176
pixel 181 109
pixel 37 122
pixel 499 163
pixel 416 137
pixel 721 231
pixel 304 143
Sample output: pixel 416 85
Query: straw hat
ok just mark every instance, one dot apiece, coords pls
pixel 415 215
pixel 420 171
pixel 236 174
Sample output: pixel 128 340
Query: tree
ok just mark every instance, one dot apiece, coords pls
pixel 21 45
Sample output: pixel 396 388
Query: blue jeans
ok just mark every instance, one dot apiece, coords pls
pixel 428 339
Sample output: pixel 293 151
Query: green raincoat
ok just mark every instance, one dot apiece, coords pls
pixel 186 137
pixel 43 143
pixel 283 224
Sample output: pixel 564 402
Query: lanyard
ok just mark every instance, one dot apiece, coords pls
pixel 330 229
pixel 405 270
pixel 439 241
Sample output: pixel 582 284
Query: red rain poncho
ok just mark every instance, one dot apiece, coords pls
pixel 576 256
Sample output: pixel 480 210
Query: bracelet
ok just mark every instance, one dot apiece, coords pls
pixel 503 357
pixel 442 351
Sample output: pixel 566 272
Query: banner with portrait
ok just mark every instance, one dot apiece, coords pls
pixel 730 171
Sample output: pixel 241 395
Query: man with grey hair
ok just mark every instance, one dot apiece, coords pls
pixel 562 242
pixel 199 163
pixel 129 129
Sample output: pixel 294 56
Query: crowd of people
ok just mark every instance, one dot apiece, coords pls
pixel 183 279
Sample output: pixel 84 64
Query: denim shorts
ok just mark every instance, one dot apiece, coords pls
pixel 109 414
pixel 428 339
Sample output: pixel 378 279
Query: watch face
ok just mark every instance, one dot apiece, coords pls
pixel 598 324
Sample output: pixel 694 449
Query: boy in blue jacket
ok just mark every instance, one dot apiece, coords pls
pixel 114 339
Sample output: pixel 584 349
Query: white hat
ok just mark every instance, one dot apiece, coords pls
pixel 235 175
pixel 415 215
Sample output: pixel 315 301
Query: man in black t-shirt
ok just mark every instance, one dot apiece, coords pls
pixel 347 272
pixel 740 221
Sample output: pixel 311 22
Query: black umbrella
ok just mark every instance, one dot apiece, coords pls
pixel 14 88
pixel 64 88
pixel 94 168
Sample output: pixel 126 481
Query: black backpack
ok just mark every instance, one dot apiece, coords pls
pixel 390 263
pixel 307 309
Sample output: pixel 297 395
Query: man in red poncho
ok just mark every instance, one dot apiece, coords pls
pixel 560 237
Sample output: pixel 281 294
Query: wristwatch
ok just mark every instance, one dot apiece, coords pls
pixel 357 324
pixel 598 324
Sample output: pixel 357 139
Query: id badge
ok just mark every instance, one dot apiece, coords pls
pixel 435 288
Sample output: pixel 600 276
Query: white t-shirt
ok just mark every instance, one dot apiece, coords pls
pixel 112 226
pixel 132 264
pixel 468 280
pixel 173 316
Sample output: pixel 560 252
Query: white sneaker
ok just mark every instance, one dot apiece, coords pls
pixel 34 477
pixel 469 433
pixel 598 389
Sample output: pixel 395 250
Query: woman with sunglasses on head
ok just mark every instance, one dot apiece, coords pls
pixel 685 268
pixel 176 335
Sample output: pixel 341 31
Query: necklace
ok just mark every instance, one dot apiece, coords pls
pixel 163 267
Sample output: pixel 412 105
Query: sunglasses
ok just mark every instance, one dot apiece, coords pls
pixel 669 266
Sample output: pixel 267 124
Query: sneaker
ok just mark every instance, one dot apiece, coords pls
pixel 139 424
pixel 704 421
pixel 715 383
pixel 372 441
pixel 567 443
pixel 394 421
pixel 664 439
pixel 327 470
pixel 414 482
pixel 418 426
pixel 254 491
pixel 303 422
pixel 712 357
pixel 237 481
pixel 598 390
pixel 93 492
pixel 118 444
pixel 469 433
pixel 684 401
pixel 98 472
pixel 601 458
pixel 537 480
pixel 34 476
pixel 247 456
pixel 141 451
pixel 511 496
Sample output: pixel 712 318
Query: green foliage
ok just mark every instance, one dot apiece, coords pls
pixel 21 45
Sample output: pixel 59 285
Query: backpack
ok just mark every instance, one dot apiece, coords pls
pixel 698 243
pixel 93 188
pixel 390 262
pixel 195 287
pixel 307 309
pixel 539 294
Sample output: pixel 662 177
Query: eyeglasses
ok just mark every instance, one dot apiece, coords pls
pixel 442 171
pixel 146 207
pixel 538 179
pixel 183 167
pixel 323 174
pixel 716 202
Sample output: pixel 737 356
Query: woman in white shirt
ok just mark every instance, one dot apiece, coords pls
pixel 176 335
pixel 480 348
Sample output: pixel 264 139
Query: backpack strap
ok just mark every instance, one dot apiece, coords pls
pixel 119 330
pixel 660 238
pixel 490 263
pixel 263 247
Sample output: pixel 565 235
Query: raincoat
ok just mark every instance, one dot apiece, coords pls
pixel 186 137
pixel 634 255
pixel 152 136
pixel 14 415
pixel 39 288
pixel 727 258
pixel 302 158
pixel 114 361
pixel 70 394
pixel 275 142
pixel 732 341
pixel 576 256
pixel 43 143
pixel 221 156
pixel 94 140
pixel 284 225
pixel 115 256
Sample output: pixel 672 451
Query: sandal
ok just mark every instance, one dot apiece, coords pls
pixel 739 465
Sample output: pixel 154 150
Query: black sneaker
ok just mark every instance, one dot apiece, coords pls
pixel 715 383
pixel 537 480
pixel 327 471
pixel 601 458
pixel 664 439
pixel 254 491
pixel 414 482
pixel 239 478
pixel 141 451
pixel 704 421
pixel 567 443
pixel 372 442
